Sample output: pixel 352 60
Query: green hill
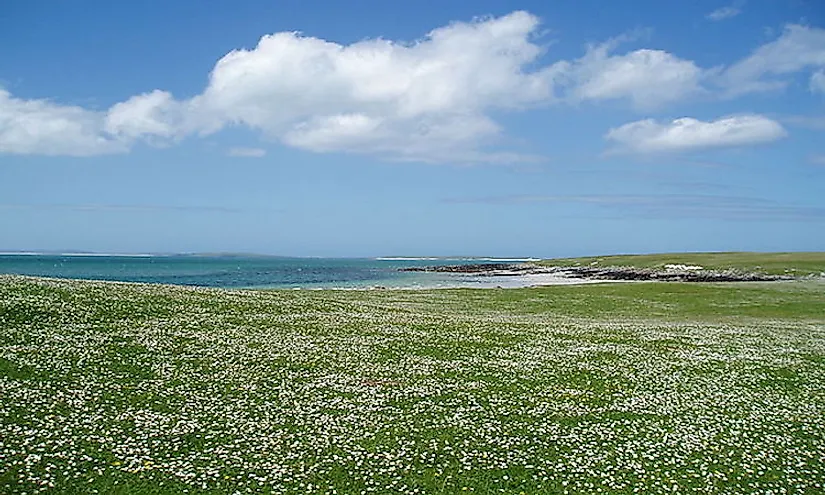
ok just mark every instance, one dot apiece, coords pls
pixel 799 264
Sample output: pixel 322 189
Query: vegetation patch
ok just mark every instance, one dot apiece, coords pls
pixel 612 388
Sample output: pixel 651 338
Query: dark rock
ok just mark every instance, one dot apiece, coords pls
pixel 480 268
pixel 629 273
pixel 601 273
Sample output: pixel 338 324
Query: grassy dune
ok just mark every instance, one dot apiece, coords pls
pixel 609 388
pixel 798 264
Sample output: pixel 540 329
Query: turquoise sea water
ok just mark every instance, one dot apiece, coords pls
pixel 241 271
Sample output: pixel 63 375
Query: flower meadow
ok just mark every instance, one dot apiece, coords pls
pixel 608 388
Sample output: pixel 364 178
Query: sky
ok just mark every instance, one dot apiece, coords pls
pixel 374 128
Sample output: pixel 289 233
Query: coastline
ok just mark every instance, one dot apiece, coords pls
pixel 518 281
pixel 592 273
pixel 256 273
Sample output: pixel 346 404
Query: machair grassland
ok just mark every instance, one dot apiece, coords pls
pixel 606 388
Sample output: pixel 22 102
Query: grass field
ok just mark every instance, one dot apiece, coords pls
pixel 607 388
pixel 797 264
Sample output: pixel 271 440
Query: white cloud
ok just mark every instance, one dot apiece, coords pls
pixel 410 101
pixel 246 152
pixel 427 100
pixel 45 128
pixel 154 114
pixel 648 78
pixel 724 13
pixel 435 99
pixel 817 83
pixel 687 134
pixel 798 48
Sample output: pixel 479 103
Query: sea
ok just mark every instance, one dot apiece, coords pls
pixel 244 271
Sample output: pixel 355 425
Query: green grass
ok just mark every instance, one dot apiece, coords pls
pixel 798 264
pixel 611 388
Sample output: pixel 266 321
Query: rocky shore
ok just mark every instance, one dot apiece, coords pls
pixel 677 274
pixel 477 269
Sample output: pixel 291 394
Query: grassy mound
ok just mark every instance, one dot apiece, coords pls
pixel 796 264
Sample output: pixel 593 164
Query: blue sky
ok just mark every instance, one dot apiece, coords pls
pixel 370 128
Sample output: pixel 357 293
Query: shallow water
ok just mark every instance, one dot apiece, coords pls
pixel 249 271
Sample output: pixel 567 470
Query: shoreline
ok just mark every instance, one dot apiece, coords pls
pixel 517 281
pixel 486 282
pixel 670 273
pixel 480 275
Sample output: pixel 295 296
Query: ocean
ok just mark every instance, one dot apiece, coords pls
pixel 247 271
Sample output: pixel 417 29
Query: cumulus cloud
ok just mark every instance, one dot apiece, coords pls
pixel 648 78
pixel 45 128
pixel 688 134
pixel 417 100
pixel 427 100
pixel 150 115
pixel 246 152
pixel 436 99
pixel 798 48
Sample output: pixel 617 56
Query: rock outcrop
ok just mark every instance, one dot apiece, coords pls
pixel 668 274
